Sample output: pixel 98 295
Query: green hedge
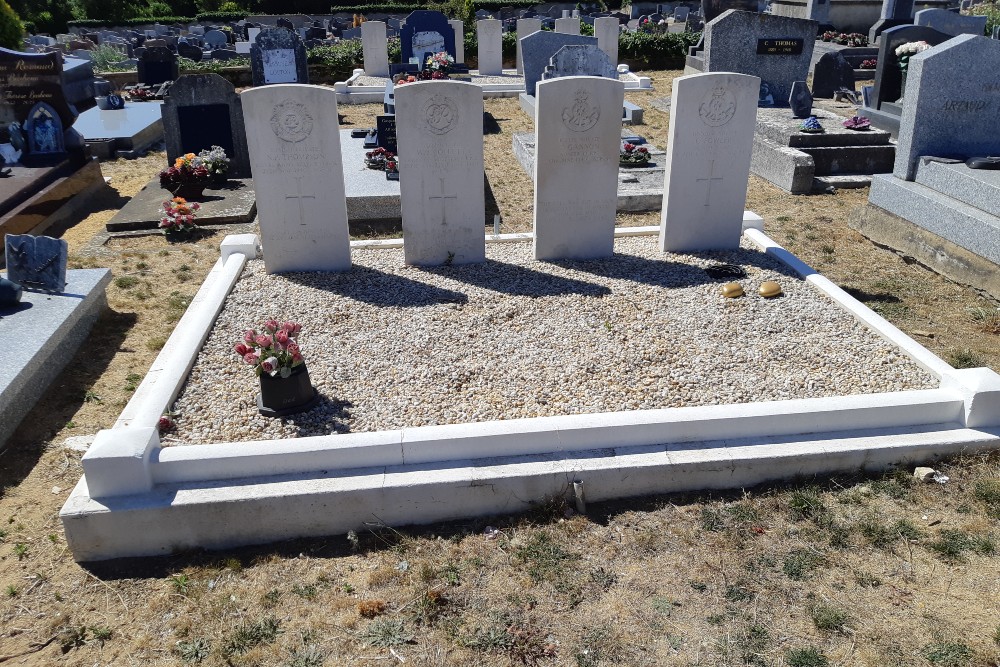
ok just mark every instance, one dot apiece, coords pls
pixel 653 51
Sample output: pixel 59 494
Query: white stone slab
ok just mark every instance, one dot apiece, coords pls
pixel 606 32
pixel 490 51
pixel 294 142
pixel 569 26
pixel 578 139
pixel 439 131
pixel 375 46
pixel 243 48
pixel 459 28
pixel 712 118
pixel 279 65
pixel 524 28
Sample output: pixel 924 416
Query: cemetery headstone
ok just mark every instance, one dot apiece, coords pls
pixel 216 39
pixel 386 136
pixel 568 26
pixel 950 23
pixel 27 79
pixel 606 32
pixel 681 14
pixel 710 9
pixel 185 50
pixel 156 65
pixel 712 120
pixel 459 28
pixel 894 13
pixel 278 56
pixel 776 49
pixel 832 73
pixel 578 142
pixel 294 142
pixel 201 111
pixel 819 11
pixel 537 50
pixel 426 32
pixel 36 261
pixel 374 44
pixel 525 27
pixel 490 51
pixel 285 23
pixel 800 100
pixel 951 105
pixel 580 60
pixel 441 177
pixel 888 76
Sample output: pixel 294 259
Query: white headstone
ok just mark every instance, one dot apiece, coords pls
pixel 252 34
pixel 577 144
pixel 490 48
pixel 459 28
pixel 606 32
pixel 294 143
pixel 712 119
pixel 439 132
pixel 569 26
pixel 524 28
pixel 375 46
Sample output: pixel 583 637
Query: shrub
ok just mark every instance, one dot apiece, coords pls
pixel 656 51
pixel 11 29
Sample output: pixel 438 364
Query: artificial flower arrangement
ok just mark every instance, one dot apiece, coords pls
pixel 215 160
pixel 274 350
pixel 847 39
pixel 178 216
pixel 906 51
pixel 187 169
pixel 870 63
pixel 633 156
pixel 437 66
pixel 380 158
pixel 440 62
pixel 857 123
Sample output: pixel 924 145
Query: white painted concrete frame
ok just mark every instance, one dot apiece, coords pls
pixel 137 499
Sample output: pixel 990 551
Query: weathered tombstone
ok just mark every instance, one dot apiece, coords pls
pixel 568 26
pixel 37 261
pixel 156 65
pixel 712 119
pixel 776 49
pixel 537 50
pixel 385 132
pixel 425 32
pixel 606 32
pixel 800 100
pixel 525 27
pixel 459 28
pixel 951 106
pixel 950 23
pixel 201 111
pixel 441 178
pixel 710 9
pixel 294 143
pixel 832 73
pixel 578 141
pixel 278 56
pixel 185 50
pixel 580 60
pixel 490 51
pixel 894 13
pixel 374 44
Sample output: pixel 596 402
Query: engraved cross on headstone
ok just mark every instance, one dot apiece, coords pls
pixel 442 196
pixel 709 178
pixel 300 197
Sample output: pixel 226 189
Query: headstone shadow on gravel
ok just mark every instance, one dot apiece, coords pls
pixel 517 280
pixel 377 288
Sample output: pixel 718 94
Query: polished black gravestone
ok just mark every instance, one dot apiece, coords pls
pixel 800 100
pixel 278 56
pixel 832 73
pixel 386 132
pixel 156 65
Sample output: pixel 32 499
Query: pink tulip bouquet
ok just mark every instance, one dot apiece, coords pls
pixel 274 350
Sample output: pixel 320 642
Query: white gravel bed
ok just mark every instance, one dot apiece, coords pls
pixel 480 80
pixel 391 346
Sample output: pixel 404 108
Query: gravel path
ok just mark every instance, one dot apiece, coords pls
pixel 392 346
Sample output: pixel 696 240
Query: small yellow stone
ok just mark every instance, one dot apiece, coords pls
pixel 732 290
pixel 769 289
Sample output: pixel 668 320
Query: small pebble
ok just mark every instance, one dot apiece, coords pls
pixel 769 289
pixel 732 290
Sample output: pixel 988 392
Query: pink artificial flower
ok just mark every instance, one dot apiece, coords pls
pixel 250 358
pixel 242 349
pixel 296 357
pixel 164 424
pixel 293 349
pixel 269 365
pixel 271 326
pixel 643 149
pixel 250 336
pixel 629 147
pixel 264 340
pixel 291 327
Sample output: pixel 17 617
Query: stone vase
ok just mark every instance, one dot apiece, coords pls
pixel 280 396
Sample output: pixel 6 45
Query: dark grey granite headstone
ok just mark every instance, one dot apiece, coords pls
pixel 888 77
pixel 190 52
pixel 832 73
pixel 36 261
pixel 156 65
pixel 426 32
pixel 894 13
pixel 25 80
pixel 951 23
pixel 951 107
pixel 216 38
pixel 710 9
pixel 800 100
pixel 537 50
pixel 278 56
pixel 386 132
pixel 201 111
pixel 580 60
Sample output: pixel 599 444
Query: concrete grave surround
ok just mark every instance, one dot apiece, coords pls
pixel 197 91
pixel 952 103
pixel 294 142
pixel 376 48
pixel 951 23
pixel 525 27
pixel 537 50
pixel 277 55
pixel 712 119
pixel 439 130
pixel 578 140
pixel 490 51
pixel 731 46
pixel 606 32
pixel 568 26
pixel 459 28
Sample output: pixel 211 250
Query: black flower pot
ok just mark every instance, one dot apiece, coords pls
pixel 280 396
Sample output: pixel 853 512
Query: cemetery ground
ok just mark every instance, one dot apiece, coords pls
pixel 843 571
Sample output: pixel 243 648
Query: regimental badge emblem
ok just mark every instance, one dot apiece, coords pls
pixel 718 107
pixel 582 115
pixel 291 121
pixel 440 114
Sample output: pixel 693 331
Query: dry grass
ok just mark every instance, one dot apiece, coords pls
pixel 850 571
